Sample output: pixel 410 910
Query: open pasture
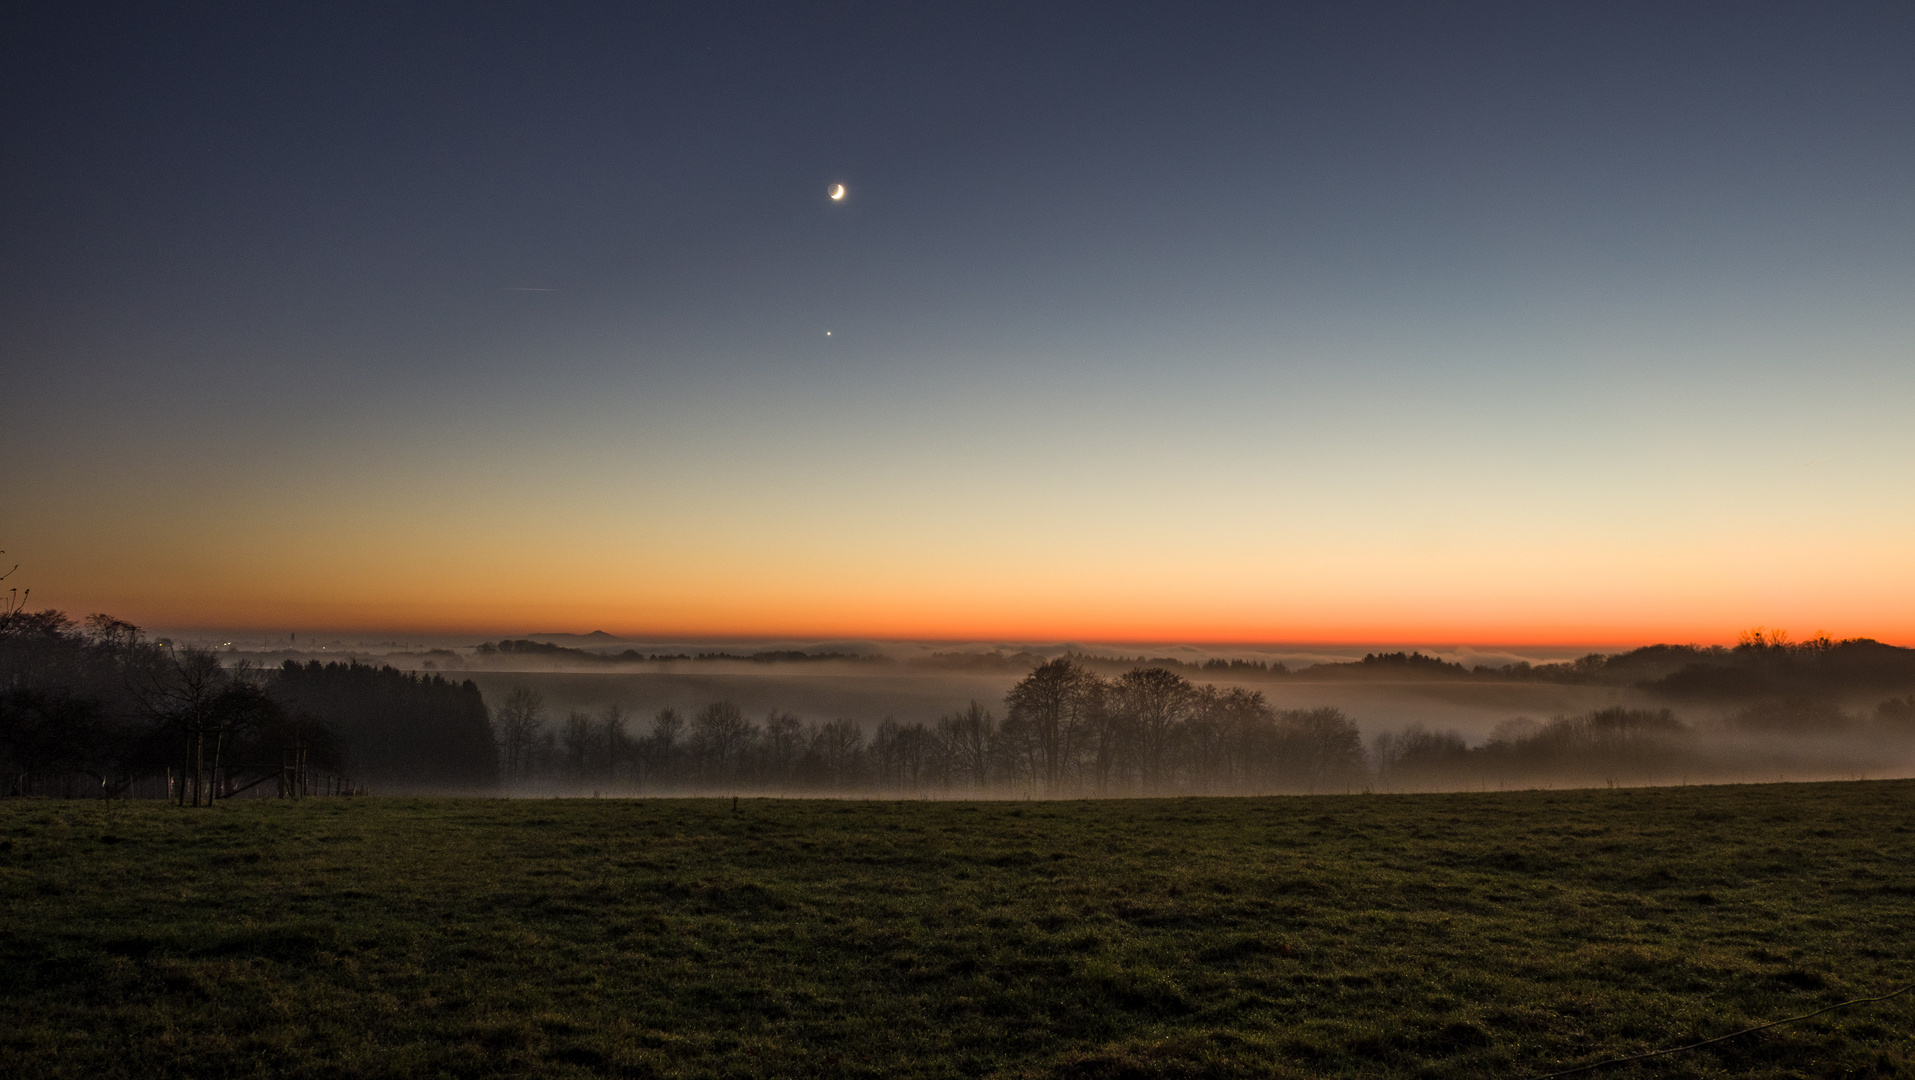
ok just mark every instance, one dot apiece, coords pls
pixel 1500 934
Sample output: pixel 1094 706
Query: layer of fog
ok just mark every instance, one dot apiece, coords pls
pixel 1463 727
pixel 459 652
pixel 1489 722
pixel 827 690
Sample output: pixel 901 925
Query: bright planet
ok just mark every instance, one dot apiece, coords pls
pixel 837 193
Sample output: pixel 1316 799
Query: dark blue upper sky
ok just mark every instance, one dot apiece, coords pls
pixel 369 180
pixel 425 232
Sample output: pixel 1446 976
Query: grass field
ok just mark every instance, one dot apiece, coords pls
pixel 1440 935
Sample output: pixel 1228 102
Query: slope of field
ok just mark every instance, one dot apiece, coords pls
pixel 1440 935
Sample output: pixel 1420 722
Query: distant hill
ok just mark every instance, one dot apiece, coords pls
pixel 1394 665
pixel 529 647
pixel 1759 666
pixel 1817 669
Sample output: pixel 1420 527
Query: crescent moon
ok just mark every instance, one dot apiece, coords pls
pixel 837 193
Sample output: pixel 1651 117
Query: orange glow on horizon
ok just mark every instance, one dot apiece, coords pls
pixel 732 622
pixel 446 565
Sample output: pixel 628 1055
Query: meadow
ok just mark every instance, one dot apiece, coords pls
pixel 1492 934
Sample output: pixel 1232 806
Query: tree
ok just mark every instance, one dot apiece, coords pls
pixel 399 728
pixel 14 601
pixel 1246 739
pixel 181 694
pixel 49 737
pixel 901 753
pixel 967 738
pixel 616 745
pixel 521 721
pixel 720 736
pixel 784 747
pixel 578 745
pixel 1320 749
pixel 243 714
pixel 1205 733
pixel 1051 704
pixel 1417 757
pixel 838 750
pixel 661 747
pixel 1015 753
pixel 1152 704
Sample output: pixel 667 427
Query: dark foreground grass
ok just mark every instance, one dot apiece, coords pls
pixel 1402 935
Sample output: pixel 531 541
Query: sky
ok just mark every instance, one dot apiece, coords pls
pixel 1526 323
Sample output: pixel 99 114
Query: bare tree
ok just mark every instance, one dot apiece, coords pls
pixel 901 753
pixel 196 700
pixel 1109 745
pixel 520 721
pixel 838 747
pixel 1052 703
pixel 615 745
pixel 886 753
pixel 1152 705
pixel 1204 737
pixel 967 738
pixel 181 692
pixel 15 600
pixel 720 734
pixel 661 748
pixel 578 745
pixel 1015 754
pixel 1247 729
pixel 1321 749
pixel 784 746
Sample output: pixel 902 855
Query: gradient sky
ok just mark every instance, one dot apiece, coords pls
pixel 1538 322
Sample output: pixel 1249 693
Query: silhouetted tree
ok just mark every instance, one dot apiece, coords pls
pixel 614 743
pixel 1151 705
pixel 1017 754
pixel 578 746
pixel 720 736
pixel 662 752
pixel 902 754
pixel 837 749
pixel 1417 757
pixel 181 694
pixel 967 736
pixel 1318 750
pixel 1050 707
pixel 784 749
pixel 521 723
pixel 407 729
pixel 1249 737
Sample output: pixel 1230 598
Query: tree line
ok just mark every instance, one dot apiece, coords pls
pixel 1762 663
pixel 99 709
pixel 1068 731
pixel 1065 730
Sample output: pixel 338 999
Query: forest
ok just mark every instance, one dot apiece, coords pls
pixel 1064 730
pixel 97 709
